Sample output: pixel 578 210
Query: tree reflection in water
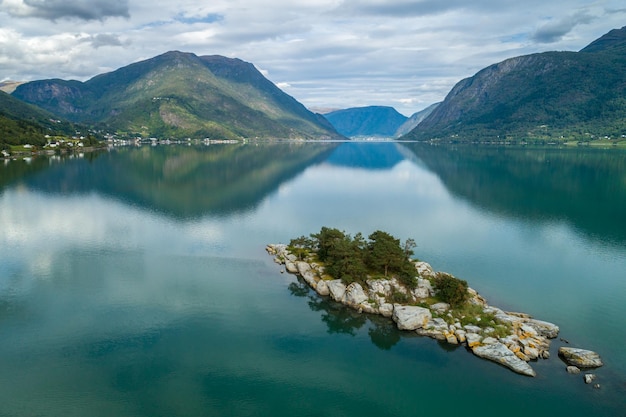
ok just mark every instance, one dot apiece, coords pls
pixel 341 319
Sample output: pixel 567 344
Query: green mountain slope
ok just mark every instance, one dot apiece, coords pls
pixel 180 95
pixel 546 96
pixel 366 121
pixel 22 123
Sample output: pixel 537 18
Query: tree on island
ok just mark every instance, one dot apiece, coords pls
pixel 354 259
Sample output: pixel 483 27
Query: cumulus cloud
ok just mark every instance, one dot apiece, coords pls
pixel 327 53
pixel 60 9
pixel 554 30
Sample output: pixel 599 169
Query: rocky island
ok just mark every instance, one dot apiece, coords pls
pixel 377 276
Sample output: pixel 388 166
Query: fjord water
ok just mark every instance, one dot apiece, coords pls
pixel 135 282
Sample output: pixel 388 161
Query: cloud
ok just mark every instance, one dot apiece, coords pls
pixel 555 30
pixel 104 39
pixel 327 53
pixel 62 9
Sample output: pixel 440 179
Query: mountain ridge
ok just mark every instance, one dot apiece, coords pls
pixel 549 95
pixel 179 94
pixel 382 121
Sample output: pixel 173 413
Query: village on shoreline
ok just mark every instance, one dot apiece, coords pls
pixel 509 339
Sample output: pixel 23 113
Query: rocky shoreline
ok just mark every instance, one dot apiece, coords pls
pixel 510 339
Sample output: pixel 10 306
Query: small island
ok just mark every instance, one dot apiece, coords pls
pixel 378 276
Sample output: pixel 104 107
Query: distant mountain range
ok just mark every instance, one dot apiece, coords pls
pixel 545 96
pixel 551 95
pixel 379 121
pixel 181 95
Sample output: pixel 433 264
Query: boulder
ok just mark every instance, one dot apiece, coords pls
pixel 544 328
pixel 436 328
pixel 499 353
pixel 385 309
pixel 489 340
pixel 425 270
pixel 451 338
pixel 589 378
pixel 424 289
pixel 309 277
pixel 440 308
pixel 322 287
pixel 337 289
pixel 473 339
pixel 303 267
pixel 470 328
pixel 380 287
pixel 580 357
pixel 354 295
pixel 368 307
pixel 410 317
pixel 291 267
pixel 421 293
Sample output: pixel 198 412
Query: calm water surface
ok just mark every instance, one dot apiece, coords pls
pixel 135 282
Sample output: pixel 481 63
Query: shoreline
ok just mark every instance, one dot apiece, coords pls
pixel 508 338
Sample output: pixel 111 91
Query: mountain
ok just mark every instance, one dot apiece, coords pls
pixel 414 120
pixel 22 123
pixel 548 96
pixel 181 95
pixel 366 121
pixel 9 86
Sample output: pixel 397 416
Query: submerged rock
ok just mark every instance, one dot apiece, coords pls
pixel 499 353
pixel 571 369
pixel 589 378
pixel 580 357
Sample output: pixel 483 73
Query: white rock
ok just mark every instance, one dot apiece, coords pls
pixel 528 330
pixel 337 289
pixel 309 277
pixel 386 309
pixel 460 335
pixel 322 287
pixel 473 339
pixel 580 357
pixel 544 328
pixel 470 328
pixel 354 295
pixel 379 287
pixel 291 267
pixel 499 353
pixel 424 270
pixel 440 307
pixel 303 267
pixel 410 317
pixel 532 353
pixel 489 341
pixel 421 293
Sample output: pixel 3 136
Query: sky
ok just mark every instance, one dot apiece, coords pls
pixel 328 54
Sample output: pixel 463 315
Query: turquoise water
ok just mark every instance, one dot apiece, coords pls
pixel 135 282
